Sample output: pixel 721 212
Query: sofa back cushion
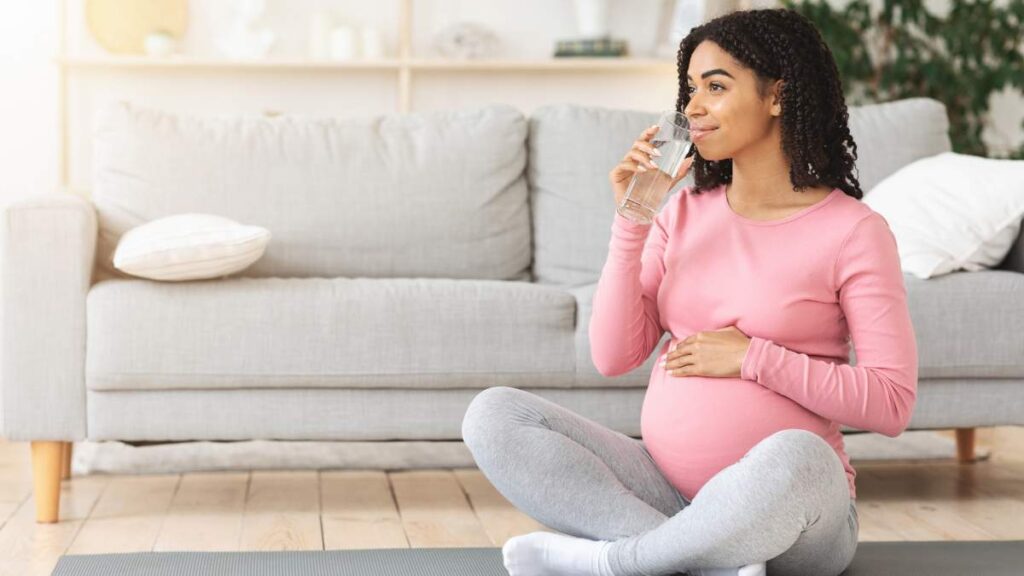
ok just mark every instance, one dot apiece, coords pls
pixel 439 194
pixel 891 135
pixel 572 148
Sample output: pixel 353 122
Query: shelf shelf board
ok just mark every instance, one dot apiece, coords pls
pixel 101 62
pixel 545 64
pixel 570 64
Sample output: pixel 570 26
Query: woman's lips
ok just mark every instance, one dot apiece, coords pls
pixel 696 135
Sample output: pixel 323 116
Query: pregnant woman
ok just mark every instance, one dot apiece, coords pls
pixel 762 272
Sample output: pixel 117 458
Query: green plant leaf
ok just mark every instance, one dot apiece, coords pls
pixel 960 59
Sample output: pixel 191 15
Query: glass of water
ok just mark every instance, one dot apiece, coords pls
pixel 647 190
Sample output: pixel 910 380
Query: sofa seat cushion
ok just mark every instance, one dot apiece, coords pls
pixel 328 332
pixel 968 324
pixel 586 373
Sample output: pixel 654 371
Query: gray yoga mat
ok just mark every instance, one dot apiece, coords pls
pixel 974 558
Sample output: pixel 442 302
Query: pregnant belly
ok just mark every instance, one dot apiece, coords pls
pixel 695 426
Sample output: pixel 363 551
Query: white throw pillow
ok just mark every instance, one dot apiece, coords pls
pixel 189 247
pixel 952 212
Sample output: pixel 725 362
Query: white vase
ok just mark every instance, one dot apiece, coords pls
pixel 343 43
pixel 687 15
pixel 592 18
pixel 320 25
pixel 373 43
pixel 241 38
pixel 159 44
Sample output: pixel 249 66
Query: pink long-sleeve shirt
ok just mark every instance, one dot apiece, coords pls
pixel 800 287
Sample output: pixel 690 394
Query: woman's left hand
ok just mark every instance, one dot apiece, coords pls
pixel 711 353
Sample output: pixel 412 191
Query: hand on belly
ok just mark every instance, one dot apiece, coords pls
pixel 717 353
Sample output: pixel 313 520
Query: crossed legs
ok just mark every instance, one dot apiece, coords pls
pixel 785 502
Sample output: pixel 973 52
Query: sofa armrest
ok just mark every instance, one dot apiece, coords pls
pixel 1014 260
pixel 47 250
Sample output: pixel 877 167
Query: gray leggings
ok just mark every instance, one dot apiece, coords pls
pixel 786 501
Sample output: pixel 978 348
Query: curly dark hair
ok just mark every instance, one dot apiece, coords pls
pixel 780 43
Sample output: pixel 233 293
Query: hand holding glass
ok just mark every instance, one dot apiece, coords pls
pixel 650 185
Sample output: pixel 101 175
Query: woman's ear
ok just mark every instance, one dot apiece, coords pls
pixel 776 109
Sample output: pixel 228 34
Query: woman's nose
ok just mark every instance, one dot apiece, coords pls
pixel 690 110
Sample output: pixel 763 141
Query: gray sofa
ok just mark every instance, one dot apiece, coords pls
pixel 416 260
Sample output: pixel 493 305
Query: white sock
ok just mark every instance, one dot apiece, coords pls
pixel 759 569
pixel 550 554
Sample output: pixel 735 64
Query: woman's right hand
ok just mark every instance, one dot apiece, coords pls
pixel 639 159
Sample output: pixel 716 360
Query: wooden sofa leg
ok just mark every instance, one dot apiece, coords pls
pixel 65 465
pixel 47 458
pixel 965 445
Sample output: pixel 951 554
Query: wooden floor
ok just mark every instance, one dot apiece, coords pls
pixel 309 510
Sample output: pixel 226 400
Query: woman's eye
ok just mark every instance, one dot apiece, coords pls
pixel 689 89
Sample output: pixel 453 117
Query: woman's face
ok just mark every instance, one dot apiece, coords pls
pixel 725 102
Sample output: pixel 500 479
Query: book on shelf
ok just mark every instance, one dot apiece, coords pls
pixel 591 47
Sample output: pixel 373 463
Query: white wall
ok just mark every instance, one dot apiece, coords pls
pixel 28 98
